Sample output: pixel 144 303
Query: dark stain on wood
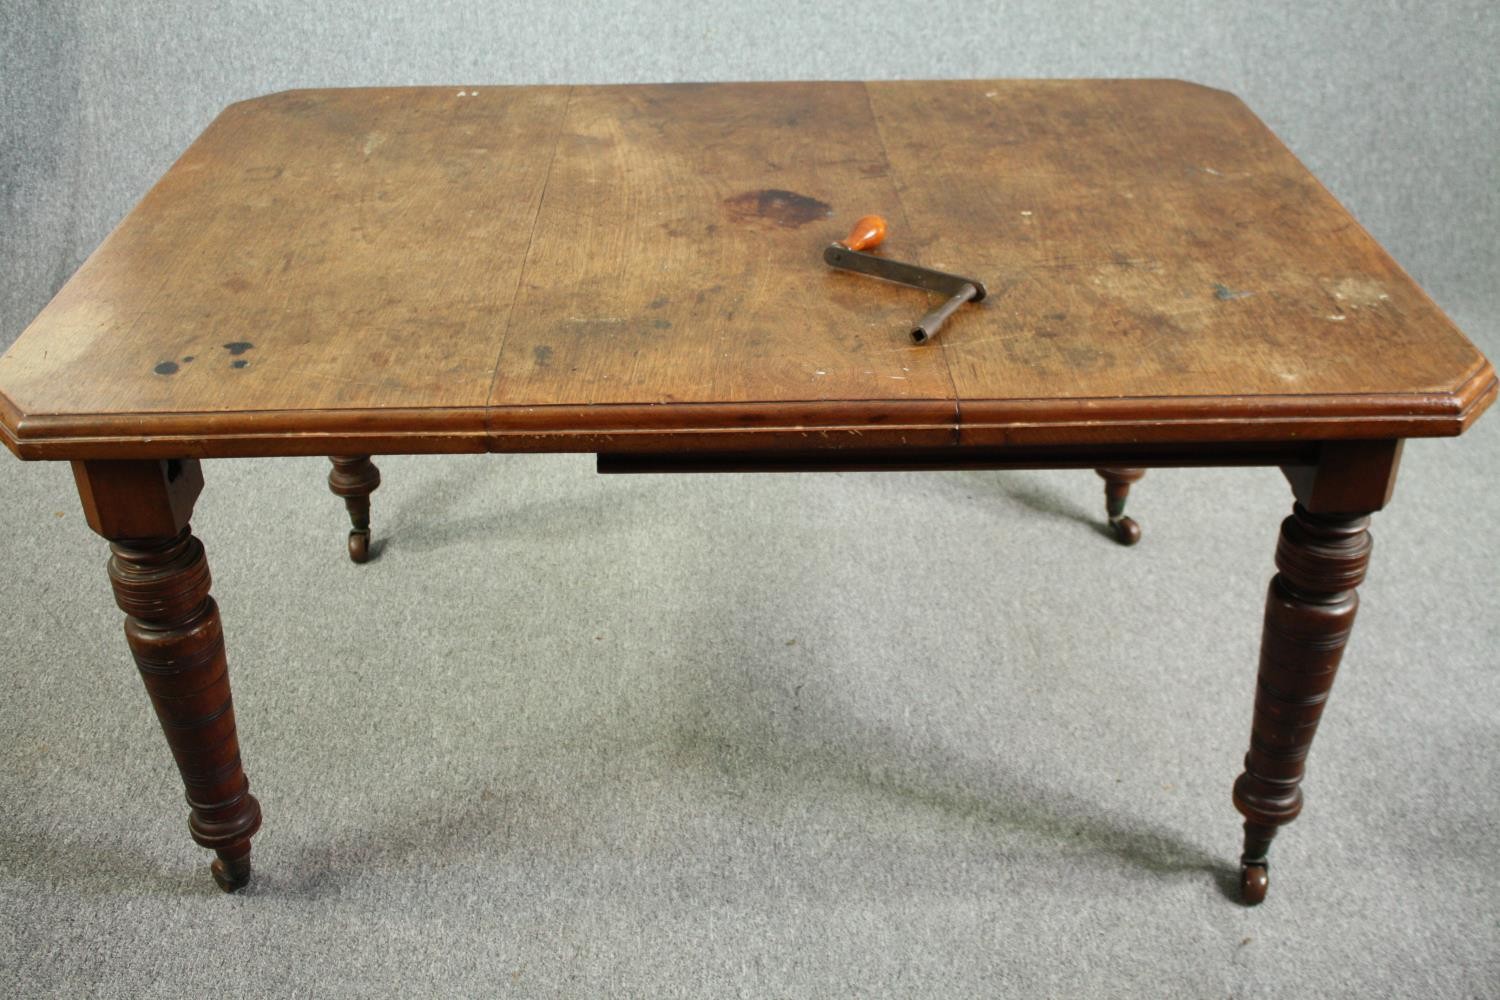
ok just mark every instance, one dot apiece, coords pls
pixel 236 283
pixel 543 355
pixel 238 347
pixel 242 363
pixel 787 209
pixel 166 368
pixel 189 359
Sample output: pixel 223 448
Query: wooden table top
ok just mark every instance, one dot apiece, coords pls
pixel 639 268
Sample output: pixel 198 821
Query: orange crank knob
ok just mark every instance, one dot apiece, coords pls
pixel 867 233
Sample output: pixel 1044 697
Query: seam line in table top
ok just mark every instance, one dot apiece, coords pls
pixel 536 220
pixel 890 170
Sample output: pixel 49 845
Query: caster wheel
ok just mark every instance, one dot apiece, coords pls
pixel 1253 884
pixel 1127 532
pixel 231 876
pixel 359 546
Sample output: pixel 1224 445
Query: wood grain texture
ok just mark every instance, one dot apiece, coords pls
pixel 677 261
pixel 1155 239
pixel 345 253
pixel 638 268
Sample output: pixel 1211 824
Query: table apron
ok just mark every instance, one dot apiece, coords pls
pixel 1299 453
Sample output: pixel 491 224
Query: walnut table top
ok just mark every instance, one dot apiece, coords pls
pixel 617 268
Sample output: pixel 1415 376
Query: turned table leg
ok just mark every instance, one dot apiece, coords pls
pixel 354 478
pixel 161 582
pixel 1117 484
pixel 1321 557
pixel 1310 609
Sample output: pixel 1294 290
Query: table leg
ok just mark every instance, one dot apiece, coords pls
pixel 161 582
pixel 1321 556
pixel 1310 610
pixel 1117 483
pixel 354 478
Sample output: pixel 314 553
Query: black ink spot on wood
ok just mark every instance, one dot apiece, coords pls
pixel 786 209
pixel 239 364
pixel 543 355
pixel 189 359
pixel 166 368
pixel 238 347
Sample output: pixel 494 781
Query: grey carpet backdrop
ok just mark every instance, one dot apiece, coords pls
pixel 902 735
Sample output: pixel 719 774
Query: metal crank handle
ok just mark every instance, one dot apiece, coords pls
pixel 849 254
pixel 928 326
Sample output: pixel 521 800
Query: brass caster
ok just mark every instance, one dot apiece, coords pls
pixel 359 545
pixel 1253 883
pixel 1127 532
pixel 232 875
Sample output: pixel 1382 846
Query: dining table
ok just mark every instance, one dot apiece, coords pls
pixel 1119 275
